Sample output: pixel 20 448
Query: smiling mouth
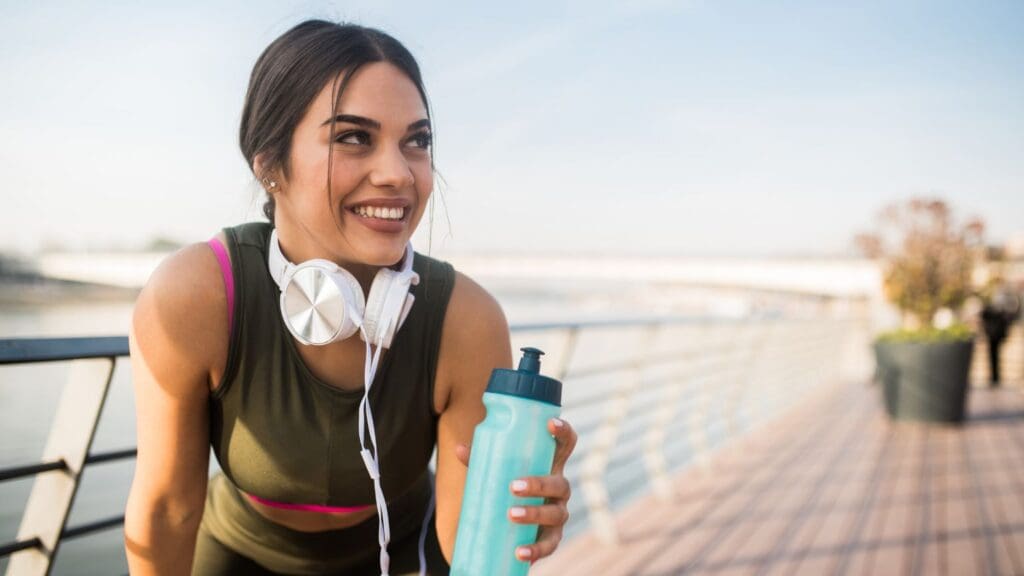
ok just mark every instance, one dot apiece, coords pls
pixel 388 214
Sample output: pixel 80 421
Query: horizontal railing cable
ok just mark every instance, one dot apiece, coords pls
pixel 101 457
pixel 17 546
pixel 90 527
pixel 16 472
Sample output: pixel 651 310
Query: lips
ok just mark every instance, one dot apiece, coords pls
pixel 387 215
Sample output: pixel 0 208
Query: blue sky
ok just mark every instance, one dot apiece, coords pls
pixel 654 128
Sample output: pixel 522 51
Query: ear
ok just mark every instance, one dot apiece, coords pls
pixel 269 179
pixel 258 166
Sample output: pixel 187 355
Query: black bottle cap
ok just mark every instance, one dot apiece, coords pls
pixel 527 381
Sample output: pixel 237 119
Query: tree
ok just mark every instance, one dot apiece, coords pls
pixel 928 256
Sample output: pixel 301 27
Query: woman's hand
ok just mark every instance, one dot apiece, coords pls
pixel 554 513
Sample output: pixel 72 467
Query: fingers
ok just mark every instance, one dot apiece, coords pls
pixel 544 515
pixel 555 487
pixel 545 546
pixel 553 514
pixel 565 439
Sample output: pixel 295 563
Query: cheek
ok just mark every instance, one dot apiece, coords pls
pixel 423 176
pixel 309 169
pixel 345 172
pixel 424 188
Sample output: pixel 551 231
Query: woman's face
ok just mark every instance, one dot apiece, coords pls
pixel 381 172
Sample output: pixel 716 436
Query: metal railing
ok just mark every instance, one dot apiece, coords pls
pixel 670 391
pixel 663 392
pixel 57 477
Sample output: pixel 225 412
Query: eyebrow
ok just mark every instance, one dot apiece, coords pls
pixel 370 123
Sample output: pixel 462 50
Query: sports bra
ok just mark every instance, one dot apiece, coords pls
pixel 288 439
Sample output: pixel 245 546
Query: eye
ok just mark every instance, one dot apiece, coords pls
pixel 422 140
pixel 355 137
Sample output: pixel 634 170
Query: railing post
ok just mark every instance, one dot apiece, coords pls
pixel 49 502
pixel 699 417
pixel 746 364
pixel 565 358
pixel 654 438
pixel 595 492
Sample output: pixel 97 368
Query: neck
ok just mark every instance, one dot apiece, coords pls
pixel 299 251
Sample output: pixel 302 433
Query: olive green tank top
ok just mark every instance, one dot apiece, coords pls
pixel 281 434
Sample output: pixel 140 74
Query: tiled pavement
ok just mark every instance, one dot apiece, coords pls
pixel 835 488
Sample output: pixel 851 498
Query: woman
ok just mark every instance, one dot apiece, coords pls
pixel 336 128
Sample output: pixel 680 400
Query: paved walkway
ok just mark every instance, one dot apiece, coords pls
pixel 835 488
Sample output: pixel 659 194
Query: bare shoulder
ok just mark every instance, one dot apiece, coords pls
pixel 180 322
pixel 178 334
pixel 474 340
pixel 472 311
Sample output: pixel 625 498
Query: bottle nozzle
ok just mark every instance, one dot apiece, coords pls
pixel 530 362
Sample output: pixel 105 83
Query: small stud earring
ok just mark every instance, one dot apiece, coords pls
pixel 270 184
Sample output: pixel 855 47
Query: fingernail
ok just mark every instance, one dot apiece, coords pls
pixel 517 511
pixel 524 553
pixel 518 485
pixel 557 422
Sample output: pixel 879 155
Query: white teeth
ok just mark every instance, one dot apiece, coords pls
pixel 381 213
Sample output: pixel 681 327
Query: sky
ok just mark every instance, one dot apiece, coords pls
pixel 639 128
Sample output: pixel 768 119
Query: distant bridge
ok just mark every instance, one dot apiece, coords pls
pixel 822 276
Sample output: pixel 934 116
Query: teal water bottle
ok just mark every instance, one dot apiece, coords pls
pixel 512 442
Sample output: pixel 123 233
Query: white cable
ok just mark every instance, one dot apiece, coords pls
pixel 371 460
pixel 423 533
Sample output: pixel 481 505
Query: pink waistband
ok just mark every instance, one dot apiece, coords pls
pixel 306 507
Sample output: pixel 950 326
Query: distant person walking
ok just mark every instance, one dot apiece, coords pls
pixel 999 312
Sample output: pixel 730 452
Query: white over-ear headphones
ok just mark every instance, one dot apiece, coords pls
pixel 323 303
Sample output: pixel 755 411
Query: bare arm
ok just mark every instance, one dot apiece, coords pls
pixel 474 342
pixel 179 334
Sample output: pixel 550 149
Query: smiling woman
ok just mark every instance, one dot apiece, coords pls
pixel 246 344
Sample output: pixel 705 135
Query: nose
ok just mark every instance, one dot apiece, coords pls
pixel 391 169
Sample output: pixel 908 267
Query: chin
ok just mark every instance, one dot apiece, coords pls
pixel 381 256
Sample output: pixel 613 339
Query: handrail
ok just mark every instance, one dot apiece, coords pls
pixel 31 350
pixel 717 376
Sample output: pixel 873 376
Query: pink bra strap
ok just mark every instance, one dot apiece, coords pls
pixel 307 507
pixel 229 278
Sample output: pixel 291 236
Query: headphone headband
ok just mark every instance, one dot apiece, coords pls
pixel 322 302
pixel 281 269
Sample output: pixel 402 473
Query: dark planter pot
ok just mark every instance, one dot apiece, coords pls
pixel 924 381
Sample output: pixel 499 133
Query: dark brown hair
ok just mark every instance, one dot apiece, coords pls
pixel 292 71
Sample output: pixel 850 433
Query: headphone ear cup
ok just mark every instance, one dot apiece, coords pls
pixel 375 304
pixel 356 309
pixel 385 305
pixel 321 303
